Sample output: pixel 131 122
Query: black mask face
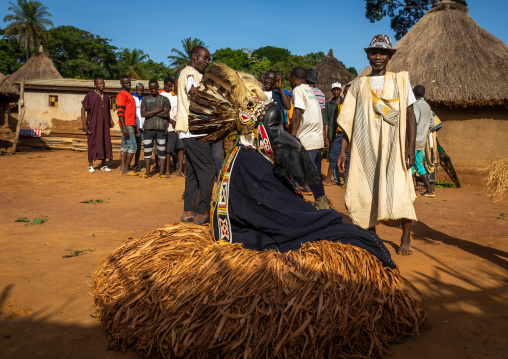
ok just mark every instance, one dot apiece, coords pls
pixel 291 159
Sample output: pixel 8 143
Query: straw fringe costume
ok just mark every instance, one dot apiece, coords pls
pixel 379 188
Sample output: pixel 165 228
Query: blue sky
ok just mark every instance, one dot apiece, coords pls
pixel 300 26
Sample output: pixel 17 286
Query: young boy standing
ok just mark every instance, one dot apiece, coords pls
pixel 155 110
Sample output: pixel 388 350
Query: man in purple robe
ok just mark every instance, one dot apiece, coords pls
pixel 96 118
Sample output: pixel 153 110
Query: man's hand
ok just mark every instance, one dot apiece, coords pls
pixel 111 124
pixel 125 133
pixel 410 158
pixel 85 128
pixel 278 82
pixel 138 133
pixel 341 161
pixel 327 142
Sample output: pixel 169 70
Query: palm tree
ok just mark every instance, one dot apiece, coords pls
pixel 28 23
pixel 182 58
pixel 131 63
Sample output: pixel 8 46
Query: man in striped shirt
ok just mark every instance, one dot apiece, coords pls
pixel 312 81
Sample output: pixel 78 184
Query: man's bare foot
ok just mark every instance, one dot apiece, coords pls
pixel 405 245
pixel 405 250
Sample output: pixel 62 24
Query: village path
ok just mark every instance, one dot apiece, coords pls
pixel 460 262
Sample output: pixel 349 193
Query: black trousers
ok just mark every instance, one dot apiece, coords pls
pixel 199 175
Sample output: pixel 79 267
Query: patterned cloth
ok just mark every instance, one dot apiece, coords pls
pixel 380 188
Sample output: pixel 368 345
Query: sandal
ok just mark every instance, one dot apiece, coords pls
pixel 131 173
pixel 179 174
pixel 188 219
pixel 202 222
pixel 163 177
pixel 144 176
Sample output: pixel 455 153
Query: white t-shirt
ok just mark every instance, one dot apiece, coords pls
pixel 310 131
pixel 268 95
pixel 190 84
pixel 172 112
pixel 139 120
pixel 377 83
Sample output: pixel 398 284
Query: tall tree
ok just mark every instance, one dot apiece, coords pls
pixel 11 55
pixel 409 12
pixel 272 53
pixel 157 70
pixel 28 22
pixel 131 63
pixel 236 59
pixel 80 54
pixel 182 58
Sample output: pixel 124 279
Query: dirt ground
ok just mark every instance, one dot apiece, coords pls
pixel 460 260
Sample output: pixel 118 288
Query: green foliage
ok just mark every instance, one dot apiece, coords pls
pixel 236 59
pixel 273 54
pixel 12 55
pixel 442 184
pixel 92 201
pixel 130 62
pixel 181 58
pixel 37 221
pixel 352 71
pixel 22 219
pixel 77 252
pixel 157 70
pixel 409 12
pixel 27 21
pixel 81 54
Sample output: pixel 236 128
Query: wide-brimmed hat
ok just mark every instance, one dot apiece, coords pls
pixel 381 42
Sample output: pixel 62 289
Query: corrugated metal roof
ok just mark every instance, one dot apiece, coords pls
pixel 110 84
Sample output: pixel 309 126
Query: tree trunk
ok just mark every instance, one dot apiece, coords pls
pixel 21 114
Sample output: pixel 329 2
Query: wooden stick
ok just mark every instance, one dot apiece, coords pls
pixel 21 114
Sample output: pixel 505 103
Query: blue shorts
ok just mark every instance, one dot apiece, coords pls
pixel 129 145
pixel 420 168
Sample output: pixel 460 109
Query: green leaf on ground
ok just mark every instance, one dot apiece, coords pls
pixel 21 219
pixel 93 235
pixel 37 221
pixel 77 252
pixel 443 184
pixel 429 202
pixel 94 201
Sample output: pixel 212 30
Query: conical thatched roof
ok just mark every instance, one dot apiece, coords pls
pixel 39 66
pixel 329 71
pixel 458 62
pixel 7 89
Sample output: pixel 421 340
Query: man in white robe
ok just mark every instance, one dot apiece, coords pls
pixel 379 128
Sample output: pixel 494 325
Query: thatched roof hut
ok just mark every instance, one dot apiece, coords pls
pixel 39 66
pixel 7 90
pixel 458 62
pixel 329 71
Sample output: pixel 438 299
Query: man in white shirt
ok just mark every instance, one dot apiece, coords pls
pixel 307 125
pixel 172 140
pixel 200 167
pixel 140 120
pixel 377 120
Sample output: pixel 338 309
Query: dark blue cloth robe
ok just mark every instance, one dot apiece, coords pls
pixel 266 213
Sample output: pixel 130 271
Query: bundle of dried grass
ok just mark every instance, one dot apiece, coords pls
pixel 177 293
pixel 496 183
